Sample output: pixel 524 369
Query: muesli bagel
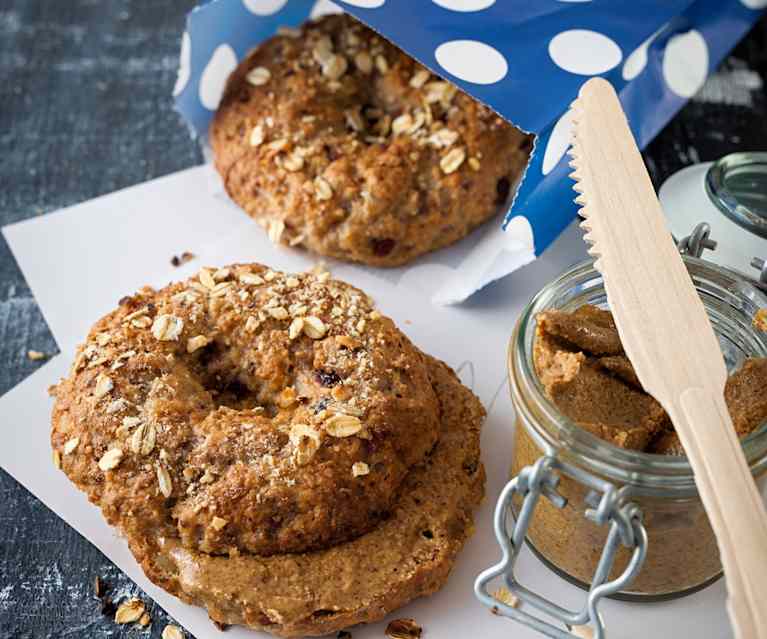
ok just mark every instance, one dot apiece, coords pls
pixel 335 140
pixel 248 421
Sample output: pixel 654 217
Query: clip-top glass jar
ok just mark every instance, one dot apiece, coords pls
pixel 623 523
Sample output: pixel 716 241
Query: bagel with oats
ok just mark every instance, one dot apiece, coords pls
pixel 272 448
pixel 335 140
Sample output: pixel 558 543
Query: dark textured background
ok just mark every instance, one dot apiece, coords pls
pixel 85 109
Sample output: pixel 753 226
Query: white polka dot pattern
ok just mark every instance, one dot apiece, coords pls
pixel 213 79
pixel 685 63
pixel 366 4
pixel 472 61
pixel 584 52
pixel 464 6
pixel 754 4
pixel 264 7
pixel 636 61
pixel 524 59
pixel 323 8
pixel 559 142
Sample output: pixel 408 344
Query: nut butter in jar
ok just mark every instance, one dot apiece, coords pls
pixel 681 553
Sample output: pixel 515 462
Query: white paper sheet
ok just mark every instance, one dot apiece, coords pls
pixel 79 261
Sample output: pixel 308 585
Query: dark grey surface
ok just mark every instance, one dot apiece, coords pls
pixel 85 109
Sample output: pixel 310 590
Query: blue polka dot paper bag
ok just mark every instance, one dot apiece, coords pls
pixel 525 59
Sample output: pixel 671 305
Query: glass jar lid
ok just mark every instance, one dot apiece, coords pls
pixel 722 206
pixel 737 185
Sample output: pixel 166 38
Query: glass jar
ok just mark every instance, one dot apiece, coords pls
pixel 681 552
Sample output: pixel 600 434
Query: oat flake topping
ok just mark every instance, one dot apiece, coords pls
pixel 241 387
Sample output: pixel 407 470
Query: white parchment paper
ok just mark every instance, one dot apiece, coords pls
pixel 81 260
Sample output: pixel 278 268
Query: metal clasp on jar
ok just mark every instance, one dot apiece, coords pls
pixel 609 507
pixel 700 239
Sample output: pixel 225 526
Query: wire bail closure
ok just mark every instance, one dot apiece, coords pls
pixel 700 239
pixel 608 506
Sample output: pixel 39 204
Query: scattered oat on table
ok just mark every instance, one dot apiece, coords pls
pixel 403 629
pixel 172 632
pixel 129 611
pixel 36 356
pixel 98 587
pixel 583 632
pixel 504 595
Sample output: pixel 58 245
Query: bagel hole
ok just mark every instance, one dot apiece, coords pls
pixel 219 378
pixel 233 394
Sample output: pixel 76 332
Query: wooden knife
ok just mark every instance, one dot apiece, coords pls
pixel 667 336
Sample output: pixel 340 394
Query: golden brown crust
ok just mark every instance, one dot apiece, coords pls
pixel 245 411
pixel 337 141
pixel 407 556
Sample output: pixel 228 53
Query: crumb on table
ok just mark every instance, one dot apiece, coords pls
pixel 179 260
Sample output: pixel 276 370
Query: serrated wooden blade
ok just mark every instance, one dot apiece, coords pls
pixel 668 338
pixel 627 233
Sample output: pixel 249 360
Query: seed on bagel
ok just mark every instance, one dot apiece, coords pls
pixel 219 523
pixel 164 481
pixel 314 327
pixel 258 76
pixel 206 279
pixel 71 445
pixel 296 327
pixel 197 342
pixel 363 62
pixel 251 278
pixel 360 469
pixel 104 385
pixel 111 459
pixel 279 313
pixel 167 328
pixel 341 425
